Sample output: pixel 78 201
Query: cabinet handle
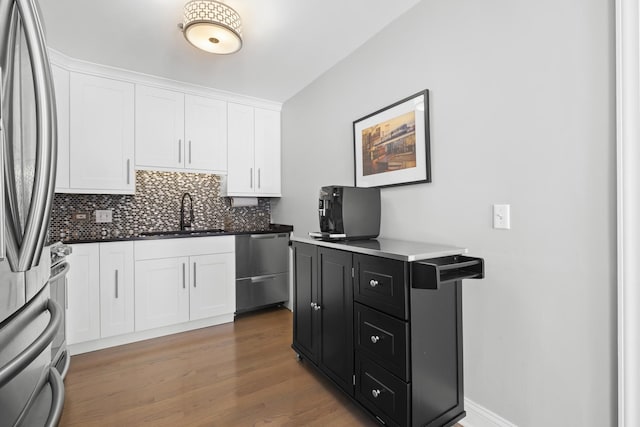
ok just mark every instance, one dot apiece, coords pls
pixel 189 151
pixel 259 181
pixel 194 274
pixel 375 393
pixel 116 284
pixel 179 151
pixel 373 283
pixel 128 171
pixel 375 338
pixel 250 177
pixel 183 276
pixel 66 293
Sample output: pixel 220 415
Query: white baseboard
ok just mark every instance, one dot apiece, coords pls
pixel 479 416
pixel 99 344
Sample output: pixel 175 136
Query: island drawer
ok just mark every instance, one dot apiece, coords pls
pixel 382 338
pixel 382 283
pixel 381 392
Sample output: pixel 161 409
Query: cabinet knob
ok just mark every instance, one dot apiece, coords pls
pixel 375 338
pixel 317 307
pixel 373 283
pixel 375 393
pixel 313 305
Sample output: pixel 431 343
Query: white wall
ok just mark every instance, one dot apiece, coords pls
pixel 522 112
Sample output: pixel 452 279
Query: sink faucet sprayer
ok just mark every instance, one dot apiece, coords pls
pixel 189 223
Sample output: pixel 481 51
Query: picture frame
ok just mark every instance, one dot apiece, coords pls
pixel 391 146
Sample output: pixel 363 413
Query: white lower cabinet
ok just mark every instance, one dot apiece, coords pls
pixel 99 291
pixel 210 293
pixel 116 288
pixel 127 291
pixel 180 280
pixel 162 294
pixel 83 293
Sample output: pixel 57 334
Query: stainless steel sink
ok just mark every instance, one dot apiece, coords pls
pixel 182 232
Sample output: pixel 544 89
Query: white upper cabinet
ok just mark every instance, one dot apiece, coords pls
pixel 254 151
pixel 61 87
pixel 267 151
pixel 111 122
pixel 101 135
pixel 178 131
pixel 240 177
pixel 159 128
pixel 205 134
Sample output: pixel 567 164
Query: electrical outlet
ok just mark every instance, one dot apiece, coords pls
pixel 105 215
pixel 502 216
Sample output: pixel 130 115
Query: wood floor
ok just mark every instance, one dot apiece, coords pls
pixel 239 374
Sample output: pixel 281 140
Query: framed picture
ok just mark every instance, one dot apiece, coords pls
pixel 391 146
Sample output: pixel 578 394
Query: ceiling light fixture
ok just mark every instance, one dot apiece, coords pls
pixel 212 26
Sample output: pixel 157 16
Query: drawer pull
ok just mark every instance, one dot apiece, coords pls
pixel 375 393
pixel 375 338
pixel 373 283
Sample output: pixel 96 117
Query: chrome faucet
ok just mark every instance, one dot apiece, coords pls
pixel 184 224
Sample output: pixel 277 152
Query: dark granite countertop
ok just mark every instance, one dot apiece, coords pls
pixel 273 228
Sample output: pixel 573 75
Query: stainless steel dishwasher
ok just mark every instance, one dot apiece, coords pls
pixel 262 270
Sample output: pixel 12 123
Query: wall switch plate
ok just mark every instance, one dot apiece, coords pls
pixel 105 215
pixel 502 216
pixel 80 216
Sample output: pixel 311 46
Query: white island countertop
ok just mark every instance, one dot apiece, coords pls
pixel 402 250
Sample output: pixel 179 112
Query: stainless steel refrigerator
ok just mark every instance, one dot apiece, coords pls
pixel 31 389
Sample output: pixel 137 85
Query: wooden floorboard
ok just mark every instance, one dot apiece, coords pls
pixel 238 374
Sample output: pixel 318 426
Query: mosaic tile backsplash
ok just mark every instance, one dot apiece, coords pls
pixel 154 207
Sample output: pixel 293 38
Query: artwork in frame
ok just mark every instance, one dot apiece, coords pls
pixel 391 146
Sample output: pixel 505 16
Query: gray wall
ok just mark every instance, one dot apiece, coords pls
pixel 522 112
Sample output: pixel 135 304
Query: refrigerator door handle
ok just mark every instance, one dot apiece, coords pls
pixel 24 249
pixel 53 378
pixel 22 360
pixel 57 398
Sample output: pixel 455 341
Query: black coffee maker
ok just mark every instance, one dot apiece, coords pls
pixel 348 213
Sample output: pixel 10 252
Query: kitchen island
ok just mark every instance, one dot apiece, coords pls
pixel 382 319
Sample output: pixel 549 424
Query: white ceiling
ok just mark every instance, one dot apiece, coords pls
pixel 287 43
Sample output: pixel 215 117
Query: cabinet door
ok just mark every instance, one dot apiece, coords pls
pixel 101 134
pixel 61 86
pixel 159 128
pixel 212 281
pixel 205 134
pixel 267 152
pixel 336 316
pixel 306 326
pixel 161 292
pixel 241 172
pixel 116 288
pixel 83 294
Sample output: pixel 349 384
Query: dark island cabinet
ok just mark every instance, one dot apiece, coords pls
pixel 388 332
pixel 323 325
